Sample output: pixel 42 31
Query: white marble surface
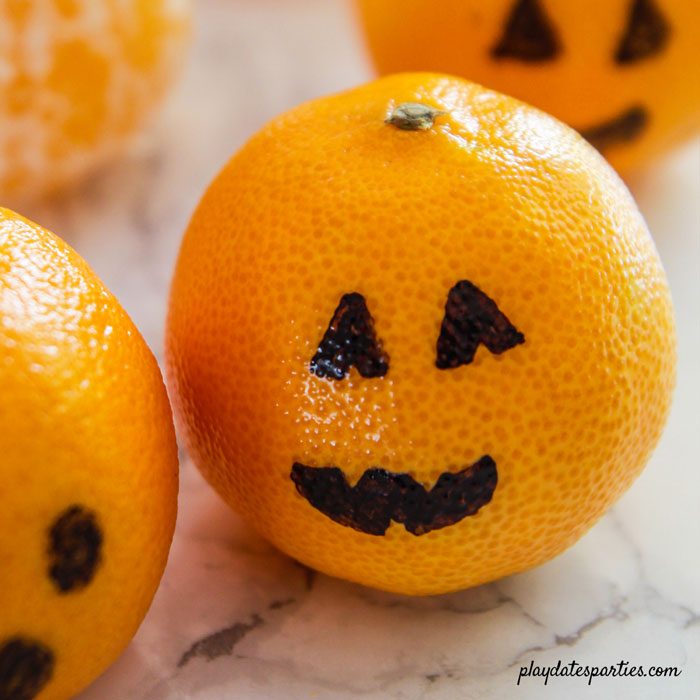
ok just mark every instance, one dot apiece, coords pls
pixel 234 618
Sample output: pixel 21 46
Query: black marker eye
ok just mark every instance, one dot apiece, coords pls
pixel 26 666
pixel 647 33
pixel 349 341
pixel 472 317
pixel 75 549
pixel 528 36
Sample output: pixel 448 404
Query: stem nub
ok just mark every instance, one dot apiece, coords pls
pixel 414 116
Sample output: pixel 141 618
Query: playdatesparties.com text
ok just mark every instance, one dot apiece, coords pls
pixel 622 669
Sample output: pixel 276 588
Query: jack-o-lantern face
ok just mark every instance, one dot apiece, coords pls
pixel 623 73
pixel 471 318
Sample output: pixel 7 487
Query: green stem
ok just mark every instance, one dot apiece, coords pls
pixel 414 116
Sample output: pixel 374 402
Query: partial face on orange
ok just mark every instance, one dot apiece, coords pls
pixel 88 469
pixel 73 549
pixel 622 72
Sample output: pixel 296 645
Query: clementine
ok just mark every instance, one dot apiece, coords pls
pixel 88 469
pixel 623 72
pixel 77 77
pixel 419 335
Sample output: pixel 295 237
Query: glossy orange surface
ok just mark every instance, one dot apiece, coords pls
pixel 86 428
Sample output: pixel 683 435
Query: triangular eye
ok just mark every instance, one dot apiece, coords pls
pixel 528 35
pixel 349 341
pixel 472 317
pixel 647 33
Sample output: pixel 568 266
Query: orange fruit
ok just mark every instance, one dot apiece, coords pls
pixel 425 353
pixel 77 77
pixel 623 72
pixel 88 468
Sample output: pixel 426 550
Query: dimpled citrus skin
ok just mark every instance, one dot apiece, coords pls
pixel 76 78
pixel 85 421
pixel 329 199
pixel 582 85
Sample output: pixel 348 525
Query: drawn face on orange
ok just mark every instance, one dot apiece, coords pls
pixel 471 318
pixel 73 543
pixel 530 37
pixel 402 329
pixel 620 72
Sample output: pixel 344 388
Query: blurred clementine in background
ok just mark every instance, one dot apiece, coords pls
pixel 419 335
pixel 88 463
pixel 622 72
pixel 77 77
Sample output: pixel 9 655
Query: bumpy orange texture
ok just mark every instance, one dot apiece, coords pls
pixel 329 199
pixel 77 77
pixel 578 78
pixel 85 422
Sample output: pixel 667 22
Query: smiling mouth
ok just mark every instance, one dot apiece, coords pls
pixel 381 496
pixel 623 128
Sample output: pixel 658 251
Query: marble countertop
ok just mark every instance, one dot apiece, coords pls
pixel 236 619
